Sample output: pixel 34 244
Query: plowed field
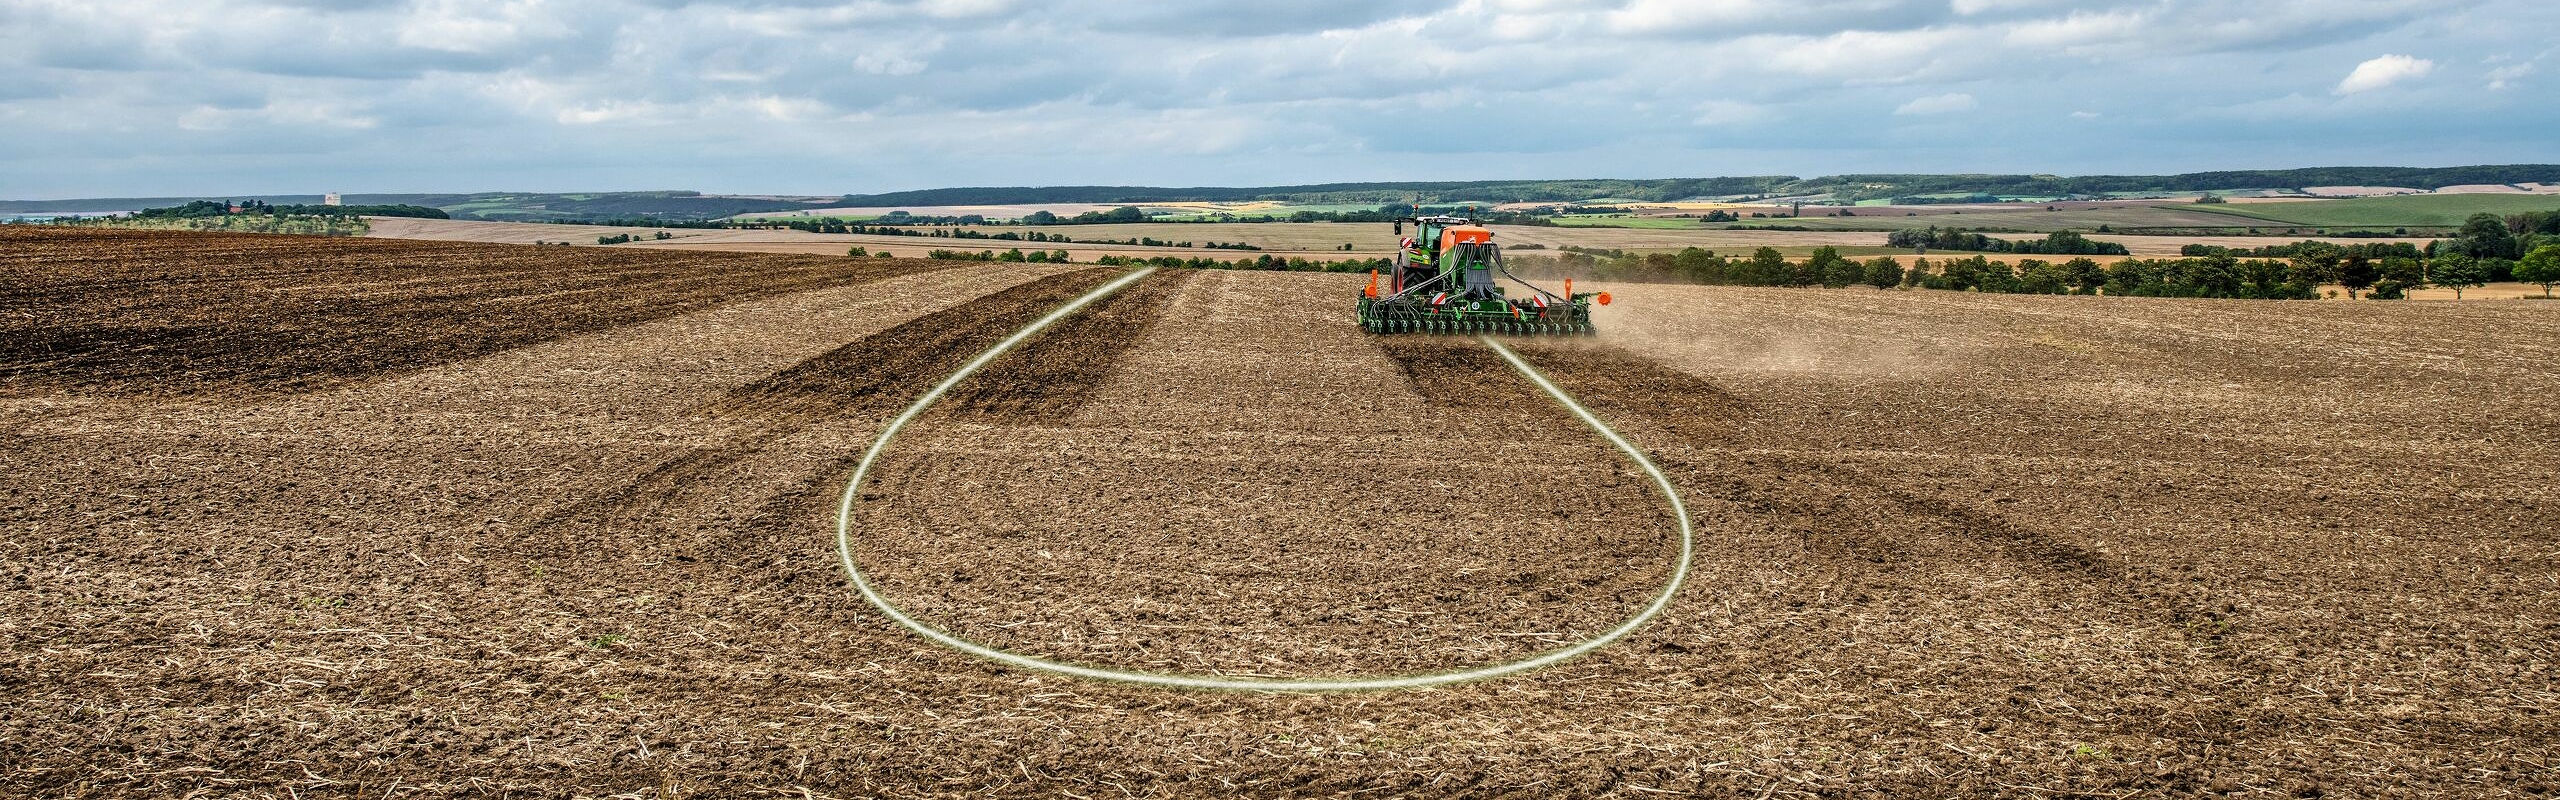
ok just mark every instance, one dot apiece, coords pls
pixel 299 518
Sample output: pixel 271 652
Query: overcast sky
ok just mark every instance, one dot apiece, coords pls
pixel 109 98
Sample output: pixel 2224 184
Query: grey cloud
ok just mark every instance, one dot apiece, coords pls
pixel 924 92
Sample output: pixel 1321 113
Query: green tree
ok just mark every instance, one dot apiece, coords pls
pixel 2357 273
pixel 2540 266
pixel 2407 271
pixel 2035 276
pixel 2485 235
pixel 1829 268
pixel 1961 274
pixel 1884 272
pixel 1994 276
pixel 2316 263
pixel 2456 271
pixel 1658 266
pixel 1768 267
pixel 1699 265
pixel 2086 275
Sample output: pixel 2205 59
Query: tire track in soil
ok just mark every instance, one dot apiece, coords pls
pixel 875 375
pixel 1044 380
pixel 1054 375
pixel 1695 412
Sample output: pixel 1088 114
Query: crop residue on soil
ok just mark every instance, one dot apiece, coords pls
pixel 1952 544
pixel 162 313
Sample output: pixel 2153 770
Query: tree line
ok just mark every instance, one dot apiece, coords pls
pixel 198 209
pixel 1855 187
pixel 1381 214
pixel 2217 275
pixel 2060 243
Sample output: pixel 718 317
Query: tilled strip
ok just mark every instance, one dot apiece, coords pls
pixel 891 368
pixel 878 372
pixel 1052 376
pixel 214 315
pixel 1821 494
pixel 1044 380
pixel 1460 373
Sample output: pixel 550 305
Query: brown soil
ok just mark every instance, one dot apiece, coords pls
pixel 1056 373
pixel 1177 530
pixel 1951 544
pixel 888 370
pixel 165 313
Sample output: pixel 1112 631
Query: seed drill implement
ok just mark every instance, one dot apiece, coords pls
pixel 1445 281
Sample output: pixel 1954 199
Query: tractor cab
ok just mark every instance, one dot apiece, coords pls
pixel 1447 279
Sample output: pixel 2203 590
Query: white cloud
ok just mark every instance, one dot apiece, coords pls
pixel 2384 71
pixel 1718 113
pixel 279 113
pixel 1938 104
pixel 874 94
pixel 2503 77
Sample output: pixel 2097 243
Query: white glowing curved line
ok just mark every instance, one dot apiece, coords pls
pixel 853 487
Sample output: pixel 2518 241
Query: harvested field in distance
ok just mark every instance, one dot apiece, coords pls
pixel 834 244
pixel 1282 239
pixel 1319 240
pixel 2020 217
pixel 1951 544
pixel 2168 246
pixel 2435 210
pixel 134 312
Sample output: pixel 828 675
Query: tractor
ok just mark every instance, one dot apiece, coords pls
pixel 1444 281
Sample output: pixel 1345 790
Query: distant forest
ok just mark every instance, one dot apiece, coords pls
pixel 1847 187
pixel 677 206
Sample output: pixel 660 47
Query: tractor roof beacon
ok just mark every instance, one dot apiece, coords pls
pixel 1445 281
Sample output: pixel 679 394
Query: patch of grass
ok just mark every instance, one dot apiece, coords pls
pixel 607 640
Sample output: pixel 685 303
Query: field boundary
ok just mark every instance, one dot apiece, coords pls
pixel 853 570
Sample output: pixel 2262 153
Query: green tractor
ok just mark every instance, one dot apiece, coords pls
pixel 1443 281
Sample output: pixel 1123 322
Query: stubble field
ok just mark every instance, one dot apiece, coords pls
pixel 327 518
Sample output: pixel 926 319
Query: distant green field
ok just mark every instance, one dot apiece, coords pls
pixel 2411 211
pixel 1651 223
pixel 2022 218
pixel 1179 215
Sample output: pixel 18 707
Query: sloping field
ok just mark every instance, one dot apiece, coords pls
pixel 2030 218
pixel 2416 210
pixel 171 313
pixel 782 242
pixel 1952 544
